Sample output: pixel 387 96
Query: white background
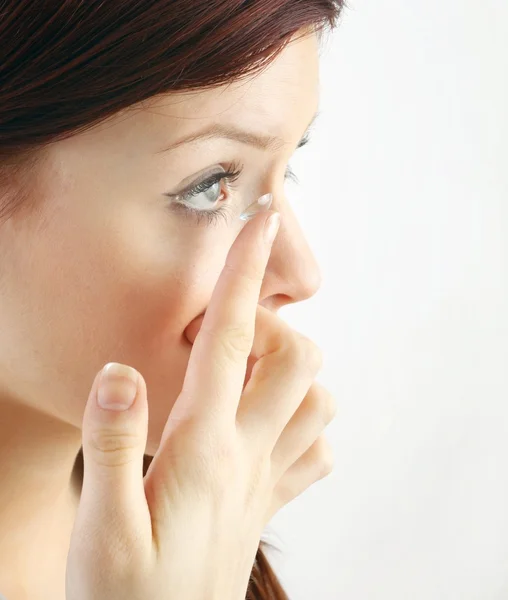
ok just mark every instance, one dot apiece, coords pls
pixel 403 195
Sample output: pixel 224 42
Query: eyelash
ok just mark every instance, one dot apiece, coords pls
pixel 233 172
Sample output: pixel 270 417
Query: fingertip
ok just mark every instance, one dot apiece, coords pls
pixel 262 204
pixel 271 228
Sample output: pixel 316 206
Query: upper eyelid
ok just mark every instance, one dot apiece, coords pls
pixel 219 176
pixel 215 178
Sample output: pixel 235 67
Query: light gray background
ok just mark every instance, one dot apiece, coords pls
pixel 404 200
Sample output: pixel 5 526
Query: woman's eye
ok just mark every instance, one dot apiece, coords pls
pixel 209 200
pixel 204 196
pixel 209 193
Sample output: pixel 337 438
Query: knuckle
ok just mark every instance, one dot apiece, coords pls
pixel 314 357
pixel 325 461
pixel 305 352
pixel 328 407
pixel 286 491
pixel 113 448
pixel 235 341
pixel 224 450
pixel 319 404
pixel 294 350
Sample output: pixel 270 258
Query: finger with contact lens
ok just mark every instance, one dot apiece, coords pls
pixel 261 205
pixel 217 365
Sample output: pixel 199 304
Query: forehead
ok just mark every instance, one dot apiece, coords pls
pixel 283 96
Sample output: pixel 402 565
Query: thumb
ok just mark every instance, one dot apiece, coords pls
pixel 114 435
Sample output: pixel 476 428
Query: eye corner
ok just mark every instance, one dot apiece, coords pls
pixel 290 175
pixel 305 140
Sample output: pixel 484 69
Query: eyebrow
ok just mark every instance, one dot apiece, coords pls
pixel 231 132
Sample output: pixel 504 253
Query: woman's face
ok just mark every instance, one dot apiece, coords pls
pixel 109 266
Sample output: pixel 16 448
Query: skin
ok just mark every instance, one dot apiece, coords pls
pixel 100 270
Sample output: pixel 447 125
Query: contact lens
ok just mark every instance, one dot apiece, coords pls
pixel 260 205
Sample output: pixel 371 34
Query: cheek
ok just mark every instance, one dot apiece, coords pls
pixel 147 312
pixel 98 293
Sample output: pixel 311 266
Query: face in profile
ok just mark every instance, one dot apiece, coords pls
pixel 130 228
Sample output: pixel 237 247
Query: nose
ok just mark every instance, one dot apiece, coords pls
pixel 292 273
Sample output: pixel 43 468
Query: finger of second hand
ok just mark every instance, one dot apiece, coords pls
pixel 272 396
pixel 279 379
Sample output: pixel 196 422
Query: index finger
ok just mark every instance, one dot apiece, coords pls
pixel 217 366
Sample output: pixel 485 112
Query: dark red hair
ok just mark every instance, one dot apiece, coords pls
pixel 67 65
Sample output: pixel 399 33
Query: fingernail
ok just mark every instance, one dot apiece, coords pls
pixel 118 387
pixel 271 227
pixel 261 204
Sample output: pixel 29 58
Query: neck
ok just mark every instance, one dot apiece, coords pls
pixel 38 496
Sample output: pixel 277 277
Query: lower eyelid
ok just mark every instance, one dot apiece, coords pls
pixel 211 217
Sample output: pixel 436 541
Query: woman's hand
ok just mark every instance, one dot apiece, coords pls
pixel 231 455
